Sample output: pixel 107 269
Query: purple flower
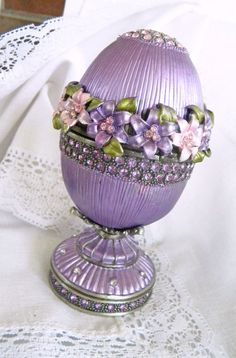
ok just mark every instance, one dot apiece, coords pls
pixel 206 135
pixel 104 123
pixel 151 135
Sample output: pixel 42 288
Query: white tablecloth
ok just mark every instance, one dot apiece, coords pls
pixel 198 236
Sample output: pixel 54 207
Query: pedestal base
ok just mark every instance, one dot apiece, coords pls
pixel 102 275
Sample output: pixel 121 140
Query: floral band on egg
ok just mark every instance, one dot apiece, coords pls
pixel 157 131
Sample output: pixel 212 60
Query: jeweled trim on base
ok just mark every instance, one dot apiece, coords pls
pixel 110 308
pixel 131 168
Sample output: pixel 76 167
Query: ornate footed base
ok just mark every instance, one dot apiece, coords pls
pixel 102 272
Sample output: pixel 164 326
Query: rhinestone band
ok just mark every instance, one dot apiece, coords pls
pixel 131 168
pixel 88 304
pixel 155 37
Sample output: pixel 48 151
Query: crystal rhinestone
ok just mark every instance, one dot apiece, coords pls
pixel 110 307
pixel 124 172
pixel 100 167
pixel 84 303
pixel 170 43
pixel 112 169
pixel 131 162
pixel 167 168
pixel 73 298
pixel 160 179
pixel 176 177
pixel 56 283
pixel 77 270
pixel 147 177
pixel 96 154
pixel 142 274
pixel 71 142
pixel 107 157
pixel 98 306
pixel 74 153
pixel 133 304
pixel 136 174
pixel 142 300
pixel 176 167
pixel 169 178
pixel 122 307
pixel 135 34
pixel 89 162
pixel 155 167
pixel 113 282
pixel 147 37
pixel 63 291
pixel 159 40
pixel 86 150
pixel 81 158
pixel 77 145
pixel 183 167
pixel 144 165
pixel 119 160
pixel 62 251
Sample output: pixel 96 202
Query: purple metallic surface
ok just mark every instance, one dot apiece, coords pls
pixel 114 202
pixel 132 68
pixel 95 278
pixel 119 252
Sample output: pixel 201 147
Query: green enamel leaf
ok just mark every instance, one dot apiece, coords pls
pixel 208 152
pixel 94 103
pixel 197 112
pixel 211 115
pixel 56 121
pixel 71 88
pixel 113 148
pixel 166 114
pixel 127 104
pixel 65 128
pixel 198 157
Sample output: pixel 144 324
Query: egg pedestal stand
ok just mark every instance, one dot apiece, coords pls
pixel 131 131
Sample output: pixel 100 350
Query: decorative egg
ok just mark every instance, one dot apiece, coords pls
pixel 129 190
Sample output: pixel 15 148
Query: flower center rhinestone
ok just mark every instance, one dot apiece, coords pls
pixel 188 139
pixel 78 107
pixel 107 125
pixel 152 134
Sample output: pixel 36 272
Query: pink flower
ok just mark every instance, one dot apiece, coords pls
pixel 189 138
pixel 73 109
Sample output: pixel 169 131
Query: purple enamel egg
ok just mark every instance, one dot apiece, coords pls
pixel 130 194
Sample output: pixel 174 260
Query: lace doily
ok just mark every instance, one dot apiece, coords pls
pixel 32 189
